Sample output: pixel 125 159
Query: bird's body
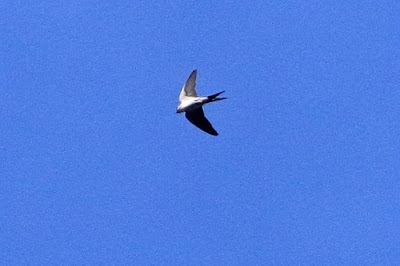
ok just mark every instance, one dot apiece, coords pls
pixel 192 105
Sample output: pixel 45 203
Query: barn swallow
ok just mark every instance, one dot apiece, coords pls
pixel 192 105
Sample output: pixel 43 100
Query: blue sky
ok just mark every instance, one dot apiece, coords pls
pixel 96 167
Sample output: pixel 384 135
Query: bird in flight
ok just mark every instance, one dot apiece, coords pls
pixel 192 104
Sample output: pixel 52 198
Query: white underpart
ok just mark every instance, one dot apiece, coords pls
pixel 190 103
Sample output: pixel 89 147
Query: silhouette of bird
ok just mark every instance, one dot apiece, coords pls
pixel 192 104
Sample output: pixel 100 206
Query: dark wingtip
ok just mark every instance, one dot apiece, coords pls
pixel 211 132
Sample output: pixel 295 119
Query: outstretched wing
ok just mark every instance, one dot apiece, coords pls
pixel 197 118
pixel 188 89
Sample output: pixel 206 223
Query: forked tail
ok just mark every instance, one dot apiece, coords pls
pixel 214 97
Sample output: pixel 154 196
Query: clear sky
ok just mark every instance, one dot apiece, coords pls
pixel 97 168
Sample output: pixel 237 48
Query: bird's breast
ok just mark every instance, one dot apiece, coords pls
pixel 191 104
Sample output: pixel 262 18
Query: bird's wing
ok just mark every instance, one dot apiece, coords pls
pixel 188 89
pixel 197 118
